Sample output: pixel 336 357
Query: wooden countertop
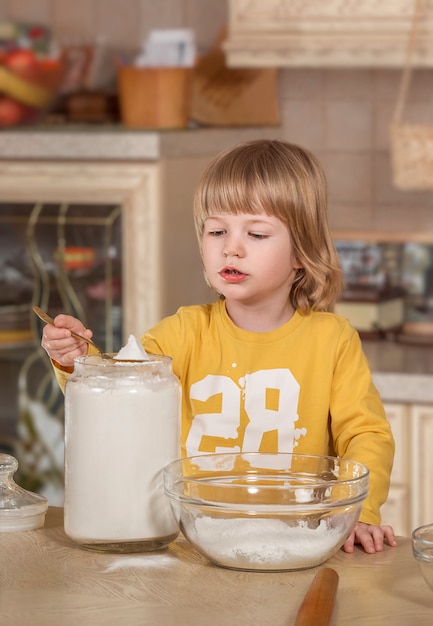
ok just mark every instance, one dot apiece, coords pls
pixel 47 581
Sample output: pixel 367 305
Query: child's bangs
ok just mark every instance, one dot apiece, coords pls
pixel 234 197
pixel 242 195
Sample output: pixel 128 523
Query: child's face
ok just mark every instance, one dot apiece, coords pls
pixel 249 258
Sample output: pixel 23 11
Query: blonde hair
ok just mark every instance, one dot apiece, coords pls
pixel 286 181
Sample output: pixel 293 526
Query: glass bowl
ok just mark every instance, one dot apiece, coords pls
pixel 422 546
pixel 266 512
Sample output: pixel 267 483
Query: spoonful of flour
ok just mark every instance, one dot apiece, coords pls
pixel 132 351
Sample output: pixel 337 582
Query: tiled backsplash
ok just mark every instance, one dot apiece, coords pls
pixel 341 115
pixel 124 23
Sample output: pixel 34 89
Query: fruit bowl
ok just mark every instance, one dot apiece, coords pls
pixel 266 512
pixel 28 86
pixel 422 547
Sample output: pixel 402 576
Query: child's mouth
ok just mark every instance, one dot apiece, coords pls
pixel 231 274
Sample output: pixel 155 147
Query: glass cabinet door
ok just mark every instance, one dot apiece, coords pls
pixel 64 258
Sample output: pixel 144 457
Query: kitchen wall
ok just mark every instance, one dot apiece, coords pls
pixel 342 115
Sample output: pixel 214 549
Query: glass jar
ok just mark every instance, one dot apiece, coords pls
pixel 122 426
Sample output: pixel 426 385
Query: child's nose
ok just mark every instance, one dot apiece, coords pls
pixel 228 253
pixel 232 247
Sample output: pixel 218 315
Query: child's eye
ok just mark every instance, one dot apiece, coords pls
pixel 216 233
pixel 258 236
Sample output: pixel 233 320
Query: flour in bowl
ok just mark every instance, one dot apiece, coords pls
pixel 259 543
pixel 133 351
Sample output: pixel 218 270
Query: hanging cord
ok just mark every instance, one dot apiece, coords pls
pixel 406 76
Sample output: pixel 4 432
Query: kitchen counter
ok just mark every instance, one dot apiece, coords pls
pixel 47 581
pixel 114 143
pixel 401 372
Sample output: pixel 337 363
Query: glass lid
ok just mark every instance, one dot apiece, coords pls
pixel 19 509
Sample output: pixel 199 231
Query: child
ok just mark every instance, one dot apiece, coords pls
pixel 267 367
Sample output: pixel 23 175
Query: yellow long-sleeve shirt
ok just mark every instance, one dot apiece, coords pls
pixel 305 387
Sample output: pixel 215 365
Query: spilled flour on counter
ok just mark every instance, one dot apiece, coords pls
pixel 266 542
pixel 147 561
pixel 132 351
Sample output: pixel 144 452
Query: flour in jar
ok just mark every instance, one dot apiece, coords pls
pixel 133 350
pixel 121 429
pixel 266 543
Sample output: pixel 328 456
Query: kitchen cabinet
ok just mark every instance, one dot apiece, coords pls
pixel 410 503
pixel 335 33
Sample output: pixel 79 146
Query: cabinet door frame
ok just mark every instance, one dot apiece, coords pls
pixel 422 464
pixel 397 509
pixel 136 187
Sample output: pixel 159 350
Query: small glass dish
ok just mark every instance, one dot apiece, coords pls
pixel 19 509
pixel 422 547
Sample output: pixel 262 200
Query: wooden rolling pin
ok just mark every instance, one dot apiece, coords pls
pixel 318 603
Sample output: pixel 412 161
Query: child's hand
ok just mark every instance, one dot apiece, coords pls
pixel 58 342
pixel 371 538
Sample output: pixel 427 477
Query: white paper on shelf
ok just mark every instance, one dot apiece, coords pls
pixel 168 48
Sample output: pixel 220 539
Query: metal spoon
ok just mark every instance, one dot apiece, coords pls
pixel 49 320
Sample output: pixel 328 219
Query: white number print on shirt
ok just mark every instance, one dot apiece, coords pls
pixel 251 392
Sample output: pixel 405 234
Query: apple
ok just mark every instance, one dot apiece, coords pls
pixel 22 62
pixel 11 112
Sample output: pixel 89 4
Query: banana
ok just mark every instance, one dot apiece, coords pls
pixel 22 90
